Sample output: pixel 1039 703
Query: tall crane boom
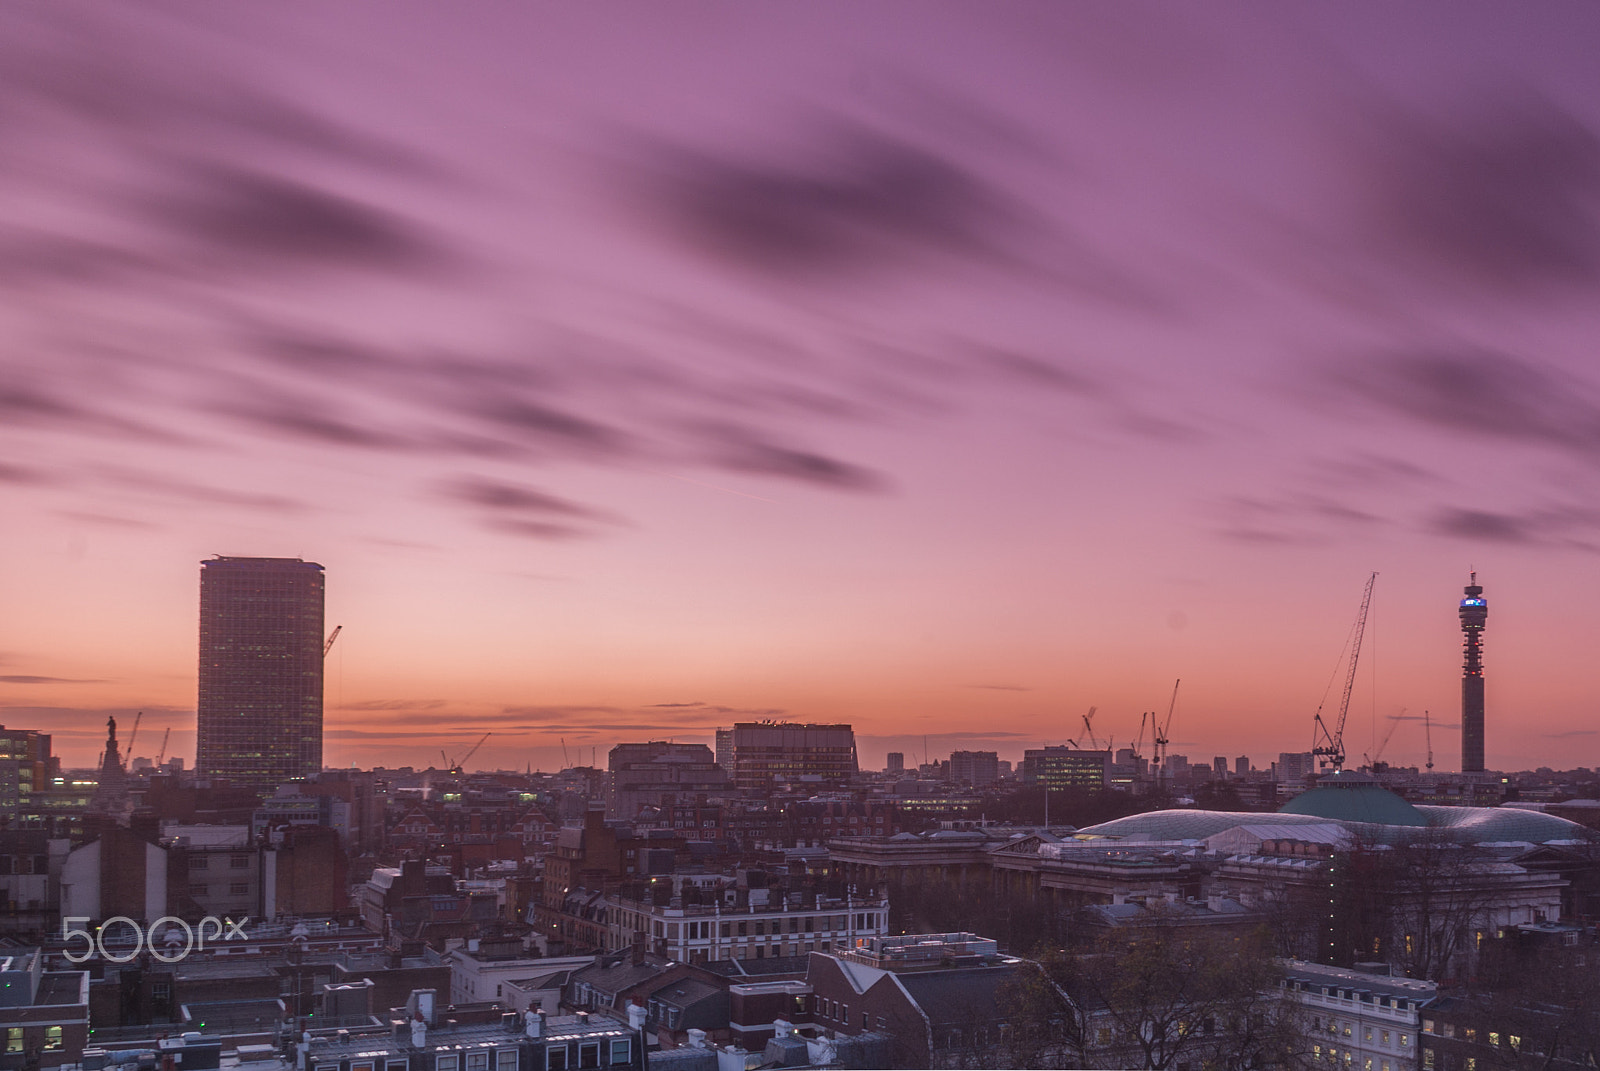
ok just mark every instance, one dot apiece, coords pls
pixel 137 718
pixel 162 754
pixel 1373 760
pixel 1331 753
pixel 1159 747
pixel 331 637
pixel 1427 728
pixel 460 765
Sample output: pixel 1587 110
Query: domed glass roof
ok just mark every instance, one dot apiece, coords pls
pixel 1348 797
pixel 1368 810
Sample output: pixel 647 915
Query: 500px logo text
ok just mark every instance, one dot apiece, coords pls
pixel 224 929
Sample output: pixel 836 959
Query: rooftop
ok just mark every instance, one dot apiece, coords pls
pixel 1357 982
pixel 1349 797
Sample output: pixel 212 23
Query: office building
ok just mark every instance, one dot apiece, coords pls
pixel 261 647
pixel 896 762
pixel 1295 765
pixel 1060 767
pixel 974 767
pixel 765 753
pixel 651 774
pixel 26 768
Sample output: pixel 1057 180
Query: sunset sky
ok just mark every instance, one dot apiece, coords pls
pixel 945 369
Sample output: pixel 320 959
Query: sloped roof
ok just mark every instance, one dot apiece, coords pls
pixel 1249 837
pixel 861 976
pixel 969 995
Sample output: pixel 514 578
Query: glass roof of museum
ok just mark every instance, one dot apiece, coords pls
pixel 1468 825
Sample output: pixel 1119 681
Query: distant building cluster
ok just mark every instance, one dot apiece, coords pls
pixel 767 902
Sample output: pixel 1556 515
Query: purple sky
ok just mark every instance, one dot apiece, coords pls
pixel 942 368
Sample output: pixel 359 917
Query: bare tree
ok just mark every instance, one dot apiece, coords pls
pixel 1543 993
pixel 1423 905
pixel 1161 993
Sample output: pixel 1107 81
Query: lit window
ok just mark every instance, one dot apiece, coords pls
pixel 1427 1059
pixel 52 1037
pixel 1514 1041
pixel 1494 1037
pixel 13 1039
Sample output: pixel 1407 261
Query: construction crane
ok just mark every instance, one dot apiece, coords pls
pixel 1373 762
pixel 1138 742
pixel 162 754
pixel 1088 728
pixel 1331 751
pixel 475 748
pixel 457 767
pixel 1427 729
pixel 1159 748
pixel 1136 749
pixel 137 718
pixel 331 637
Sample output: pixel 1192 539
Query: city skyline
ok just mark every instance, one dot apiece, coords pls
pixel 632 379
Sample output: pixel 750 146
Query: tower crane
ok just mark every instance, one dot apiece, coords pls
pixel 1137 747
pixel 162 754
pixel 1331 751
pixel 474 749
pixel 1159 748
pixel 1427 729
pixel 1377 754
pixel 331 637
pixel 457 767
pixel 137 718
pixel 1088 728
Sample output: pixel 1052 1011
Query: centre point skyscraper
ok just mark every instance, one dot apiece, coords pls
pixel 261 648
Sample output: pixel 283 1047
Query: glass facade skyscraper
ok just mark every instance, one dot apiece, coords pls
pixel 260 701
